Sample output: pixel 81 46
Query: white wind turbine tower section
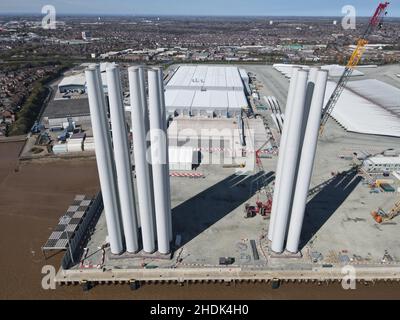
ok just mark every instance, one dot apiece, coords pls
pixel 312 79
pixel 122 160
pixel 278 175
pixel 289 168
pixel 145 110
pixel 158 158
pixel 143 181
pixel 166 165
pixel 104 158
pixel 306 163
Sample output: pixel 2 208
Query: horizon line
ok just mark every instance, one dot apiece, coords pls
pixel 144 15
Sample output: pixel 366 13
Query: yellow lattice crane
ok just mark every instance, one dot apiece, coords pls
pixel 375 22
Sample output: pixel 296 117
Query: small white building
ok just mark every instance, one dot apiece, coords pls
pixel 181 158
pixel 382 164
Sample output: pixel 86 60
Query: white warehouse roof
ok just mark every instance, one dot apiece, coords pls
pixel 74 80
pixel 383 160
pixel 80 78
pixel 195 101
pixel 203 90
pixel 208 77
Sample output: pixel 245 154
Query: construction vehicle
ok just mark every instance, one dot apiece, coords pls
pixel 261 208
pixel 37 128
pixel 375 22
pixel 381 216
pixel 226 261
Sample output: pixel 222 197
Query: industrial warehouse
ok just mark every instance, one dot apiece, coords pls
pixel 206 91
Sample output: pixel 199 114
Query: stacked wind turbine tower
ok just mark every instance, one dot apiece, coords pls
pixel 296 158
pixel 153 213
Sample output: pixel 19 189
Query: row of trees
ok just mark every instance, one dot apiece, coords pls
pixel 34 103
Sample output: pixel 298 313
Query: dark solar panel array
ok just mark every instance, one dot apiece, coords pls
pixel 68 224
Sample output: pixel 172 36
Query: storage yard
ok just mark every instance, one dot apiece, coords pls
pixel 345 210
pixel 374 103
pixel 36 182
pixel 208 212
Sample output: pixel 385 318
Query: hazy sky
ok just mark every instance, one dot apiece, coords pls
pixel 198 7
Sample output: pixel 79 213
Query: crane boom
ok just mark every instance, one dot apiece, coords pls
pixel 355 58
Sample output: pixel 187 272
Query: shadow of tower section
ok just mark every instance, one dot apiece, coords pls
pixel 200 212
pixel 322 206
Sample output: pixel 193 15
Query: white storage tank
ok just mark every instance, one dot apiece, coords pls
pixel 60 148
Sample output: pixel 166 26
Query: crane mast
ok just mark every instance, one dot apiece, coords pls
pixel 355 58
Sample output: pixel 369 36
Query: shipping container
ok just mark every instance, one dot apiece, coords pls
pixel 387 187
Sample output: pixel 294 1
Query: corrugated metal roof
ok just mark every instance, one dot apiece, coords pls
pixel 201 89
pixel 211 77
pixel 383 160
pixel 209 99
pixel 74 80
pixel 205 88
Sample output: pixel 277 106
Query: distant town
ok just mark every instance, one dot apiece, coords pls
pixel 31 55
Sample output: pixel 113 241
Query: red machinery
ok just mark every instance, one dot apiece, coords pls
pixel 261 208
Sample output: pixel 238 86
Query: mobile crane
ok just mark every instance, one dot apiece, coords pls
pixel 261 208
pixel 381 216
pixel 375 22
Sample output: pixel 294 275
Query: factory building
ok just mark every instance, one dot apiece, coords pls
pixel 77 82
pixel 382 164
pixel 86 35
pixel 206 91
pixel 73 83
